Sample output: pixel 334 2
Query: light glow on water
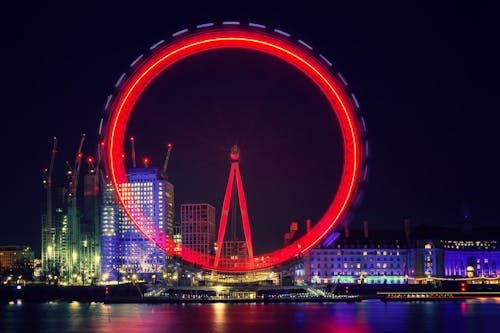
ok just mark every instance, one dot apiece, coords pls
pixel 476 315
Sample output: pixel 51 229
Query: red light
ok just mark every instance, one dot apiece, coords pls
pixel 123 155
pixel 132 138
pixel 90 160
pixel 169 145
pixel 106 291
pixel 295 55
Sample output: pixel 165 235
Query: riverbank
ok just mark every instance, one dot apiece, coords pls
pixel 142 293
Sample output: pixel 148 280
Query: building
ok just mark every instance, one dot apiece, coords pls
pixel 17 260
pixel 234 249
pixel 409 255
pixel 60 230
pixel 198 227
pixel 90 239
pixel 125 253
pixel 57 238
pixel 360 256
pixel 466 252
pixel 471 258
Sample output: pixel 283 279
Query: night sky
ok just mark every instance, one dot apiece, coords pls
pixel 425 76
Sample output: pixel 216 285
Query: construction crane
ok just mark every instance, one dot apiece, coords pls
pixel 47 181
pixel 73 212
pixel 90 163
pixel 75 171
pixel 132 144
pixel 163 173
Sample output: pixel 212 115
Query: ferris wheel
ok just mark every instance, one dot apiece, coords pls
pixel 255 37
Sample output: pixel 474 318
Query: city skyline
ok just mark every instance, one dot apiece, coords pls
pixel 422 169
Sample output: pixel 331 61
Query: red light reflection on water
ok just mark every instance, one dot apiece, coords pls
pixel 229 318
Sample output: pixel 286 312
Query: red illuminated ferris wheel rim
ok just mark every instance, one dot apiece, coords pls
pixel 146 70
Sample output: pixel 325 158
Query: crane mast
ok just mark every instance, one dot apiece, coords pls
pixel 48 183
pixel 78 163
pixel 163 174
pixel 74 226
pixel 132 144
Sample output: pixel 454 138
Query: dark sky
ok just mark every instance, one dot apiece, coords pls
pixel 425 75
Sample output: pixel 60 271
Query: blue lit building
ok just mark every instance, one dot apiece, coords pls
pixel 378 257
pixel 472 259
pixel 409 255
pixel 126 254
pixel 470 253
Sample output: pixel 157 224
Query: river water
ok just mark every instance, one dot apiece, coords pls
pixel 479 315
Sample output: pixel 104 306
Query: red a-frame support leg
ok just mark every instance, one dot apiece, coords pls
pixel 234 173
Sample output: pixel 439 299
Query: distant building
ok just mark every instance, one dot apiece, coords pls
pixel 361 257
pixel 234 249
pixel 289 236
pixel 472 253
pixel 16 259
pixel 426 259
pixel 471 258
pixel 177 236
pixel 125 253
pixel 410 255
pixel 57 237
pixel 90 239
pixel 198 227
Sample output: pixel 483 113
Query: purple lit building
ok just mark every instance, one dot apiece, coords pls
pixel 410 255
pixel 126 255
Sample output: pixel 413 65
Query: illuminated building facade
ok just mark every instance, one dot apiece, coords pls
pixel 198 227
pixel 125 253
pixel 57 238
pixel 471 259
pixel 426 259
pixel 234 249
pixel 464 252
pixel 381 257
pixel 176 235
pixel 15 259
pixel 90 240
pixel 392 256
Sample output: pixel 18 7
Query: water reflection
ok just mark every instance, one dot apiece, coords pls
pixel 369 316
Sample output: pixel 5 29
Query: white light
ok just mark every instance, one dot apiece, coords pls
pixel 136 60
pixel 231 23
pixel 342 78
pixel 204 25
pixel 119 80
pixel 363 122
pixel 281 32
pixel 180 32
pixel 355 100
pixel 325 60
pixel 107 102
pixel 256 25
pixel 157 44
pixel 305 44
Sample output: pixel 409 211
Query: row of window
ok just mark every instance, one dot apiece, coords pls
pixel 378 265
pixel 326 274
pixel 371 259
